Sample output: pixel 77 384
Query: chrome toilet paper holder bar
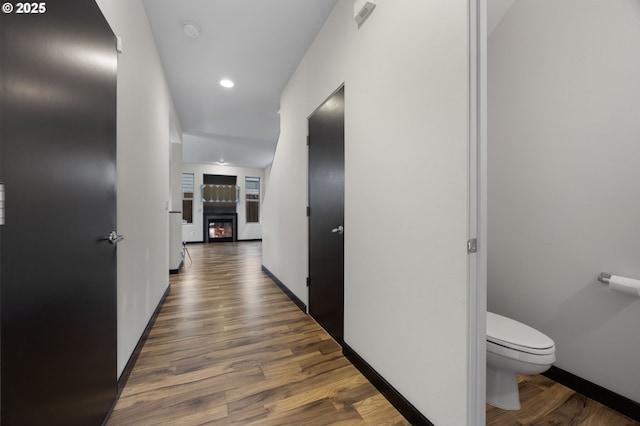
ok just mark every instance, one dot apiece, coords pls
pixel 604 277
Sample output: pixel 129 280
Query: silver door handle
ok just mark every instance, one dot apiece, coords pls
pixel 339 230
pixel 113 237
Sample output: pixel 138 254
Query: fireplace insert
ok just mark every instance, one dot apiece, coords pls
pixel 220 228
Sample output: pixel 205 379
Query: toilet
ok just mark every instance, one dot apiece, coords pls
pixel 513 348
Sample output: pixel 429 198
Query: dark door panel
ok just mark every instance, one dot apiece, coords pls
pixel 58 279
pixel 326 202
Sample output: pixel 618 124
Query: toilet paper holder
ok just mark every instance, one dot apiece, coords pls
pixel 630 286
pixel 604 277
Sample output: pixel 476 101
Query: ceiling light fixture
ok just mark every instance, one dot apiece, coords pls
pixel 191 30
pixel 226 83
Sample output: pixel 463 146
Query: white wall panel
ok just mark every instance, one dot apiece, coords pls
pixel 406 216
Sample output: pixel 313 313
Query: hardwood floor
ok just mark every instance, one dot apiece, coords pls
pixel 228 347
pixel 545 402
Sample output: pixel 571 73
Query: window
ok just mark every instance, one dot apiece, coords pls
pixel 252 198
pixel 187 198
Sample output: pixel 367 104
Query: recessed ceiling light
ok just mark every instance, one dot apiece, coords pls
pixel 191 30
pixel 226 83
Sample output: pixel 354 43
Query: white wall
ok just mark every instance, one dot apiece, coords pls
pixel 246 231
pixel 175 135
pixel 563 198
pixel 495 12
pixel 406 133
pixel 267 174
pixel 143 132
pixel 176 176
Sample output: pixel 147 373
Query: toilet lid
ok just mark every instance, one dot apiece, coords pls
pixel 513 334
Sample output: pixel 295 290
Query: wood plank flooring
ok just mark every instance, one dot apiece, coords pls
pixel 229 348
pixel 545 402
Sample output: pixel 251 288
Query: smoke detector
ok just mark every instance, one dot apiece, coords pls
pixel 191 30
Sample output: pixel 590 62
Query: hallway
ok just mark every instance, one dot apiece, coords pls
pixel 228 347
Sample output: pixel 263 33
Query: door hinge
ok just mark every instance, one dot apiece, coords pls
pixel 308 281
pixel 472 245
pixel 1 203
pixel 308 211
pixel 119 44
pixel 308 140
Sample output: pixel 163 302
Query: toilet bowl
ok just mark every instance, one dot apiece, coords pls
pixel 513 348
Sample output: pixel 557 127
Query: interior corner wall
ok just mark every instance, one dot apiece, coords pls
pixel 143 157
pixel 175 151
pixel 563 204
pixel 267 174
pixel 406 76
pixel 176 176
pixel 194 232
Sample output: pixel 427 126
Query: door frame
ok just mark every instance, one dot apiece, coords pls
pixel 477 262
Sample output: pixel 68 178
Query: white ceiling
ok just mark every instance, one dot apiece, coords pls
pixel 257 44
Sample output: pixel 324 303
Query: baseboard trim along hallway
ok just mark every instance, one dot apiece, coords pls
pixel 604 396
pixel 407 409
pixel 285 290
pixel 122 381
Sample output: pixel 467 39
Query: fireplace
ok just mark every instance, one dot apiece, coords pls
pixel 220 228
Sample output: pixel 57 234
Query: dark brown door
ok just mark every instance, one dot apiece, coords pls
pixel 57 160
pixel 326 218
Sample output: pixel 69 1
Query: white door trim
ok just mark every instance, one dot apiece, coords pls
pixel 477 279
